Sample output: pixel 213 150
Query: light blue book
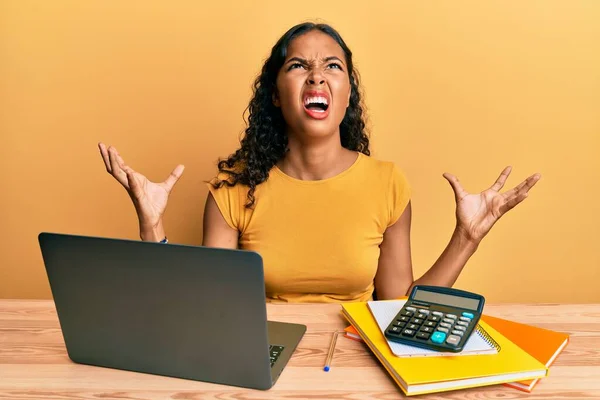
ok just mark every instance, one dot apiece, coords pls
pixel 384 312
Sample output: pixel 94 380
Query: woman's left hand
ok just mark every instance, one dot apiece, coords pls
pixel 477 213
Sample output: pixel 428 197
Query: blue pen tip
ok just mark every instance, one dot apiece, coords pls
pixel 326 369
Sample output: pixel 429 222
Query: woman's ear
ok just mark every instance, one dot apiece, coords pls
pixel 275 98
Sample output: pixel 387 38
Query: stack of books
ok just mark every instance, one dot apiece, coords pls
pixel 498 352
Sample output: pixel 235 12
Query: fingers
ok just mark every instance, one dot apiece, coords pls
pixel 104 154
pixel 519 193
pixel 173 177
pixel 134 186
pixel 459 192
pixel 522 187
pixel 499 184
pixel 127 176
pixel 510 204
pixel 116 164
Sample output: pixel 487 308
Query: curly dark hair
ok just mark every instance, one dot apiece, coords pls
pixel 265 141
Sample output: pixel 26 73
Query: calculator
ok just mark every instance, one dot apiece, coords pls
pixel 436 318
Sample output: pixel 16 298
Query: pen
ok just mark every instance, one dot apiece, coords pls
pixel 330 353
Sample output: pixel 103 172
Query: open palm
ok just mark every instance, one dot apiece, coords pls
pixel 149 198
pixel 477 213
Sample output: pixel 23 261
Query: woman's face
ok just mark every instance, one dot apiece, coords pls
pixel 313 86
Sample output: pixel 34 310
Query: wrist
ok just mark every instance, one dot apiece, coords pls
pixel 464 241
pixel 152 232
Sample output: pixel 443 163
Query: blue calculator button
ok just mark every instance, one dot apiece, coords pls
pixel 438 337
pixel 468 315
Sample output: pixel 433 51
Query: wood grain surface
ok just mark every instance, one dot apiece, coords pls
pixel 34 363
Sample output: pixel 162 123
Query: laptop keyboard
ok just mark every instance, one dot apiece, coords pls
pixel 274 353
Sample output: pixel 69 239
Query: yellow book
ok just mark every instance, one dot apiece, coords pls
pixel 439 374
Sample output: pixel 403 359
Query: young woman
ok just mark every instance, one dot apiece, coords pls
pixel 331 223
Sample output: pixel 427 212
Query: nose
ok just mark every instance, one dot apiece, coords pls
pixel 314 82
pixel 316 78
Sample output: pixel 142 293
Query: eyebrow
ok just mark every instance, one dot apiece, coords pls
pixel 303 61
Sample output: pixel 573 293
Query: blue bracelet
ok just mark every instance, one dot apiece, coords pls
pixel 165 240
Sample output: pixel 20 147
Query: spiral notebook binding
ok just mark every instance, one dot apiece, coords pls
pixel 488 339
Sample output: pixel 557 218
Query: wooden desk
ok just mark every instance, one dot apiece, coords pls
pixel 34 362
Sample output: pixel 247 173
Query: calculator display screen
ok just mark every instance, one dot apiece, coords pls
pixel 442 298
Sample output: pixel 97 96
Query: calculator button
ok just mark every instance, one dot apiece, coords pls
pixel 439 314
pixel 411 309
pixel 452 316
pixel 465 319
pixel 460 328
pixel 395 330
pixel 399 324
pixel 423 311
pixel 459 333
pixel 412 326
pixel 416 320
pixel 426 329
pixel 448 320
pixel 442 330
pixel 468 315
pixel 404 319
pixel 434 318
pixel 431 324
pixel 408 332
pixel 421 316
pixel 422 335
pixel 438 337
pixel 462 323
pixel 445 325
pixel 453 340
pixel 407 313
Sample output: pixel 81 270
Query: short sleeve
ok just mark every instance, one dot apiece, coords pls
pixel 231 201
pixel 398 194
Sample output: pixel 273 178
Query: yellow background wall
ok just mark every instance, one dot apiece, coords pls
pixel 464 87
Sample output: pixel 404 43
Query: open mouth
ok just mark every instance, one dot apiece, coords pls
pixel 316 104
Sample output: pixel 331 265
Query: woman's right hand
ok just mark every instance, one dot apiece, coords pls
pixel 149 198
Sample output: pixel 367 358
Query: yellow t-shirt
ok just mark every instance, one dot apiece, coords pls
pixel 319 240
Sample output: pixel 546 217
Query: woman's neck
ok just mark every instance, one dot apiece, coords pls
pixel 316 161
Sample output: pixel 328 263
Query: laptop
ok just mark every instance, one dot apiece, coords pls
pixel 189 312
